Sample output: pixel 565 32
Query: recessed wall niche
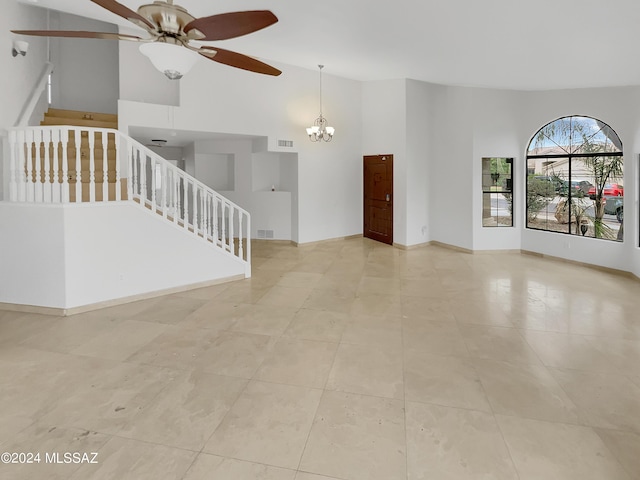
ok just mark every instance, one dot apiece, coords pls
pixel 265 168
pixel 217 170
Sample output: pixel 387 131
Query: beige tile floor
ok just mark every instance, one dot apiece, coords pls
pixel 346 360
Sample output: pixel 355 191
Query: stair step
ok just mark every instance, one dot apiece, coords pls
pixel 79 122
pixel 77 114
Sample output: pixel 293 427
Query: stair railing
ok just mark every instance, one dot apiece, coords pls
pixel 180 198
pixel 63 164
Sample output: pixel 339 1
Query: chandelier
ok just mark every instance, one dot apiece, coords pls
pixel 320 129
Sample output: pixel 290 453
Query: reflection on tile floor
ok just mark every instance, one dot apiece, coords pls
pixel 343 360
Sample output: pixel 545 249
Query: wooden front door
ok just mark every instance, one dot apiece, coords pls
pixel 378 198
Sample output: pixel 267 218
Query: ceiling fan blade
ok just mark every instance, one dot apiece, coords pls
pixel 125 12
pixel 238 60
pixel 77 34
pixel 231 25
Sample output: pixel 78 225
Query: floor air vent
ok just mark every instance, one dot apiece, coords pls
pixel 265 233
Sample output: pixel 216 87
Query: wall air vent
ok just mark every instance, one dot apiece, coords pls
pixel 265 234
pixel 285 143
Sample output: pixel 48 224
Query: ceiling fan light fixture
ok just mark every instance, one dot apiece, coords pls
pixel 174 61
pixel 320 130
pixel 170 30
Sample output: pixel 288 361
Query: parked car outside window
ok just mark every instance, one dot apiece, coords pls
pixel 609 190
pixel 578 188
pixel 614 206
pixel 554 181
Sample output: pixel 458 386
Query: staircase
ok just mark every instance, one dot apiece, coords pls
pixel 81 157
pixel 89 142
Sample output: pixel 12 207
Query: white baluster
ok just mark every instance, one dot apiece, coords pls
pixel 13 183
pixel 200 223
pixel 64 139
pixel 212 223
pixel 174 195
pixel 231 239
pixel 131 180
pixel 167 187
pixel 248 237
pixel 154 183
pixel 195 208
pixel 176 199
pixel 118 187
pixel 135 169
pixel 31 160
pixel 223 222
pixel 240 249
pixel 143 176
pixel 105 166
pixel 163 186
pixel 77 137
pixel 205 214
pixel 215 219
pixel 185 202
pixel 92 166
pixel 22 166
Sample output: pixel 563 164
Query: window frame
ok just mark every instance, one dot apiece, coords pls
pixel 570 155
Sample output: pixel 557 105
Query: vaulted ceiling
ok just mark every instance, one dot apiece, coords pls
pixel 547 44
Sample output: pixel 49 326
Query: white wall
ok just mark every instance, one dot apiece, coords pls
pixel 32 259
pixel 238 150
pixel 461 125
pixel 250 185
pixel 496 115
pixel 168 153
pixel 396 118
pixel 139 80
pixel 19 74
pixel 279 108
pixel 216 170
pixel 420 121
pixel 66 256
pixel 85 75
pixel 451 171
pixel 384 131
pixel 265 171
pixel 475 123
pixel 618 108
pixel 189 157
pixel 289 183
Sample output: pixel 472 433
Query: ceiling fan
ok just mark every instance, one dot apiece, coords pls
pixel 170 26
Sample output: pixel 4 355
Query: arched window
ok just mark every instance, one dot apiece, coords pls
pixel 574 179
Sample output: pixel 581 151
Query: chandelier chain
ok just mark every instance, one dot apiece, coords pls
pixel 321 67
pixel 320 130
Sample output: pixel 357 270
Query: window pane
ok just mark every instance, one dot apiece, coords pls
pixel 497 195
pixel 574 135
pixel 579 192
pixel 541 202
